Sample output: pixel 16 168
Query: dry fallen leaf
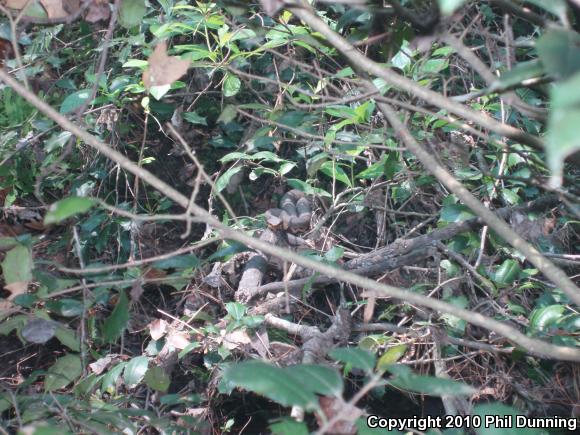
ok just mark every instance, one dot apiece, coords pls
pixel 16 288
pixel 101 364
pixel 178 340
pixel 157 328
pixel 15 4
pixel 236 339
pixel 163 69
pixel 5 306
pixel 98 10
pixel 54 8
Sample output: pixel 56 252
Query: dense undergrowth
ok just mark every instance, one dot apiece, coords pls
pixel 122 311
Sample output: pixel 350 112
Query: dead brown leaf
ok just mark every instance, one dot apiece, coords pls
pixel 178 340
pixel 163 69
pixel 157 329
pixel 54 8
pixel 236 339
pixel 15 4
pixel 5 305
pixel 369 309
pixel 333 407
pixel 98 10
pixel 16 288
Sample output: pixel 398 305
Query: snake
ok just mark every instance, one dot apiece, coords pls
pixel 293 215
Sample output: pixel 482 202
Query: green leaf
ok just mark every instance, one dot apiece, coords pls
pixel 186 261
pixel 562 139
pixel 455 213
pixel 75 100
pixel 334 254
pixel 272 382
pixel 559 51
pixel 449 6
pixel 17 265
pixel 318 379
pixel 157 379
pixel 66 208
pixel 159 92
pixel 542 318
pixel 65 307
pixel 334 170
pixel 307 188
pixel 194 118
pixel 236 310
pixel 110 379
pixel 356 357
pixel 16 322
pixel 117 321
pixel 135 63
pixel 289 427
pixel 135 370
pixel 391 356
pixel 364 429
pixel 507 273
pixel 232 85
pixel 132 12
pixel 224 179
pixel 64 371
pixel 68 338
pixel 407 380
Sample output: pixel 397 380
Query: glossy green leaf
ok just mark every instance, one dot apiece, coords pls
pixel 186 261
pixel 364 429
pixel 559 51
pixel 498 420
pixel 224 179
pixel 66 208
pixel 405 379
pixel 232 85
pixel 356 357
pixel 116 323
pixel 135 370
pixel 507 272
pixel 318 379
pixel 236 310
pixel 157 379
pixel 391 356
pixel 132 12
pixel 270 381
pixel 334 254
pixel 17 265
pixel 542 318
pixel 562 138
pixel 194 118
pixel 289 427
pixel 334 170
pixel 111 376
pixel 75 100
pixel 64 371
pixel 68 338
pixel 455 213
pixel 65 307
